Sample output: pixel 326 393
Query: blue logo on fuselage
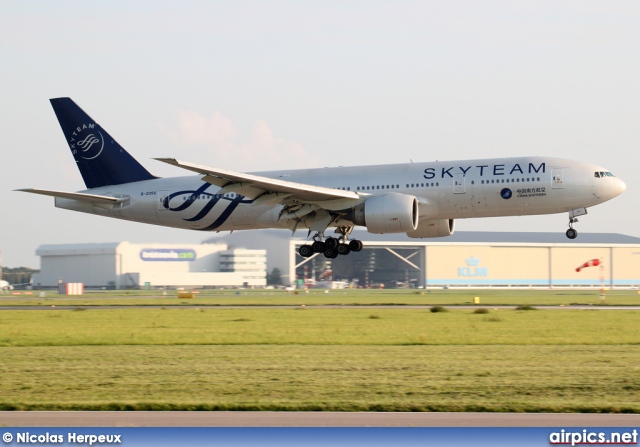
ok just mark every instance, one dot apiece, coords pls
pixel 506 193
pixel 193 196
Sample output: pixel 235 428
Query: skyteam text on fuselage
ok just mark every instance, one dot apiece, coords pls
pixel 419 199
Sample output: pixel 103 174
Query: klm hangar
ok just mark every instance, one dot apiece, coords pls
pixel 465 259
pixel 124 265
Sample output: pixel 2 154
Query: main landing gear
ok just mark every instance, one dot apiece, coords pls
pixel 331 247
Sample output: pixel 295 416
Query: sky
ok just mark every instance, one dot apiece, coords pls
pixel 264 85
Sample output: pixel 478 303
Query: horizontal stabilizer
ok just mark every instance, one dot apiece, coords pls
pixel 83 197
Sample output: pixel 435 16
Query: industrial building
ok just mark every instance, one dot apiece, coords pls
pixel 125 265
pixel 542 260
pixel 465 259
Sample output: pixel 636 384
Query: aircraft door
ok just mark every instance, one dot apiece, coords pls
pixel 163 203
pixel 458 184
pixel 557 178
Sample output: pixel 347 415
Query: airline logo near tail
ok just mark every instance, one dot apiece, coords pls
pixel 101 160
pixel 87 146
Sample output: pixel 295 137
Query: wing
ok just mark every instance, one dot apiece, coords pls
pixel 265 188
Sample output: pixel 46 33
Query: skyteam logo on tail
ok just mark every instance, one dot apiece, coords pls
pixel 86 141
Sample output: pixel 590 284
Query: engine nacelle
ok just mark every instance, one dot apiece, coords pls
pixel 433 228
pixel 390 213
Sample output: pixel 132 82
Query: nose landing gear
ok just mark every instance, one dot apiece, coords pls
pixel 571 233
pixel 573 218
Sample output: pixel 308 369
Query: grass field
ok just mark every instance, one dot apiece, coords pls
pixel 306 358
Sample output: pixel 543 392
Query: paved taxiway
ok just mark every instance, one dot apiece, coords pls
pixel 310 306
pixel 308 419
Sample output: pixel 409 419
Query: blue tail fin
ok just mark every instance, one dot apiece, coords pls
pixel 101 160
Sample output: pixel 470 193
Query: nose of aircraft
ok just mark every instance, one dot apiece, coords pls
pixel 609 187
pixel 619 187
pixel 612 188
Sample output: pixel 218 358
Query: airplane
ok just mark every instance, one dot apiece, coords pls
pixel 422 200
pixel 5 285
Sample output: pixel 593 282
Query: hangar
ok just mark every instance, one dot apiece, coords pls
pixel 465 259
pixel 121 265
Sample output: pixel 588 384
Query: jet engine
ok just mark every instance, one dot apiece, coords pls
pixel 389 213
pixel 433 228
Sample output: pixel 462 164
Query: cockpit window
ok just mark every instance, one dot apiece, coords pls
pixel 597 174
pixel 602 174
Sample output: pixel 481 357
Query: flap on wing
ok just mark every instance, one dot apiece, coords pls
pixel 92 198
pixel 225 179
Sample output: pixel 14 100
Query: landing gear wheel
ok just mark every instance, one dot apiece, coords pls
pixel 571 233
pixel 331 242
pixel 305 251
pixel 355 245
pixel 343 249
pixel 330 253
pixel 317 246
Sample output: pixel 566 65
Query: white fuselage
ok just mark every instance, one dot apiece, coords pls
pixel 445 190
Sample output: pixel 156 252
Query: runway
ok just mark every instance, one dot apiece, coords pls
pixel 308 419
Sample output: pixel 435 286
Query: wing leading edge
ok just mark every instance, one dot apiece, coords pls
pixel 255 186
